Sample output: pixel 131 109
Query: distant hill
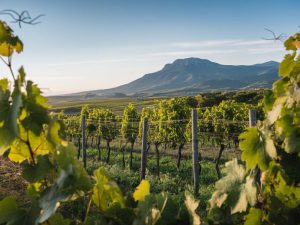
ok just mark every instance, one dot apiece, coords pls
pixel 192 75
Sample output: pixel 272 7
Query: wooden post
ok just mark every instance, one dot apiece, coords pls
pixel 195 151
pixel 83 126
pixel 256 170
pixel 252 118
pixel 144 149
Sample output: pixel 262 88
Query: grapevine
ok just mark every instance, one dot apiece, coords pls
pixel 272 196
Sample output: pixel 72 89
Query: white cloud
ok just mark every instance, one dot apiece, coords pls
pixel 265 50
pixel 214 47
pixel 100 61
pixel 221 43
pixel 199 52
pixel 211 43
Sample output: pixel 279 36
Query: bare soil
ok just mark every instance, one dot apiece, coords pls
pixel 11 181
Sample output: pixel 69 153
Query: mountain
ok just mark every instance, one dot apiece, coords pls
pixel 196 75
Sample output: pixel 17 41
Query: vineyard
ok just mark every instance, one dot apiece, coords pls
pixel 143 167
pixel 169 129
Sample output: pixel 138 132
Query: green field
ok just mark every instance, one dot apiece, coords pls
pixel 73 106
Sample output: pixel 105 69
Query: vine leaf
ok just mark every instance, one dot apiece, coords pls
pixel 192 204
pixel 49 201
pixel 292 43
pixel 254 217
pixel 71 182
pixel 154 209
pixel 274 114
pixel 289 131
pixel 255 149
pixel 8 42
pixel 57 219
pixel 20 151
pixel 33 190
pixel 9 212
pixel 231 189
pixel 289 195
pixel 34 173
pixel 287 65
pixel 142 191
pixel 36 109
pixel 106 193
pixel 9 112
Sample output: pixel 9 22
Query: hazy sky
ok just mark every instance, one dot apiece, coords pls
pixel 95 44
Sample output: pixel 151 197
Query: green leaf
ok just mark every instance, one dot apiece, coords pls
pixel 280 87
pixel 106 193
pixel 9 212
pixel 57 219
pixel 72 181
pixel 289 132
pixel 52 134
pixel 36 108
pixel 33 190
pixel 287 65
pixel 123 216
pixel 269 100
pixel 289 195
pixel 51 197
pixel 66 160
pixel 254 217
pixel 152 210
pixel 254 150
pixel 39 171
pixel 9 112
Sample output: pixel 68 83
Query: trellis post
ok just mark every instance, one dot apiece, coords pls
pixel 83 126
pixel 195 151
pixel 144 149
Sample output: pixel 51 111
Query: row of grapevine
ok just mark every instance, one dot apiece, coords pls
pixel 169 127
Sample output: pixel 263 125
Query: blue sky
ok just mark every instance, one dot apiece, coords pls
pixel 95 44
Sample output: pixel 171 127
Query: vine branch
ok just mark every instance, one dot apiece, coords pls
pixel 23 17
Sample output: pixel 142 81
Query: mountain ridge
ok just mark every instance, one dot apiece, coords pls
pixel 202 75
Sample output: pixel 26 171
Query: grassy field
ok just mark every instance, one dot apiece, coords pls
pixel 73 106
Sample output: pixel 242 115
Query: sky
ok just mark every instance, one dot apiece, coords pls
pixel 86 45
